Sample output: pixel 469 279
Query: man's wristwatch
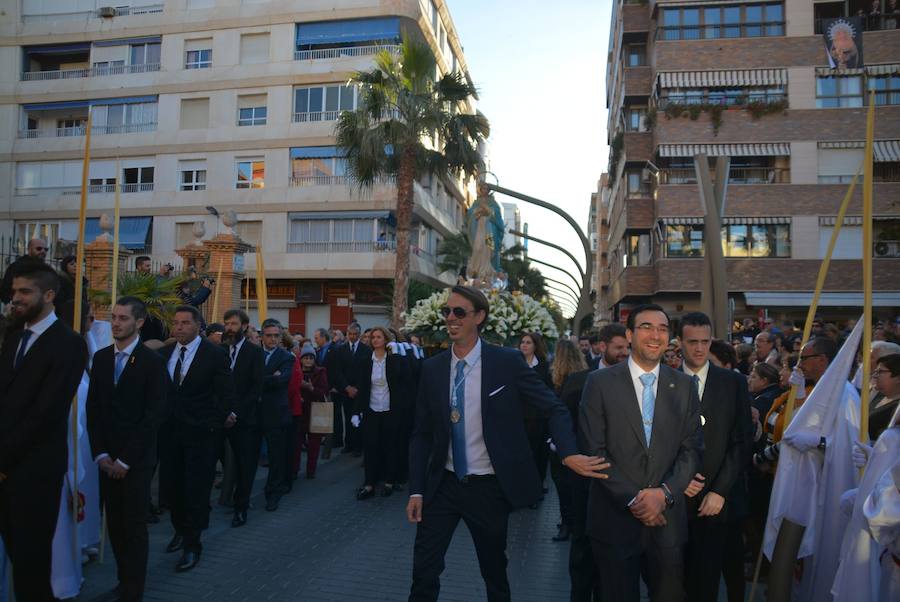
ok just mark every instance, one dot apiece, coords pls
pixel 670 499
pixel 822 444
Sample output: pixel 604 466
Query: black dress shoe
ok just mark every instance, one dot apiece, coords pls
pixel 562 534
pixel 272 505
pixel 364 494
pixel 176 544
pixel 188 561
pixel 240 519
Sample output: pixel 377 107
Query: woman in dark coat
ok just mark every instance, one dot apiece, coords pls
pixel 312 385
pixel 535 353
pixel 381 404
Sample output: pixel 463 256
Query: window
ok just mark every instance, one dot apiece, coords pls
pixel 184 234
pixel 637 55
pixel 317 165
pixel 137 179
pixel 108 59
pixel 838 165
pixel 635 120
pixel 252 110
pixel 887 89
pixel 145 54
pixel 101 185
pixel 337 235
pixel 684 240
pixel 637 251
pixel 250 173
pixel 728 21
pixel 69 127
pixel 638 185
pixel 198 54
pixel 194 113
pixel 736 96
pixel 839 91
pixel 254 48
pixel 192 175
pixel 756 240
pixel 323 103
pixel 250 232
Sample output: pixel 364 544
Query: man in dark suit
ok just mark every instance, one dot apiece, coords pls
pixel 41 364
pixel 246 362
pixel 645 418
pixel 125 402
pixel 725 415
pixel 201 398
pixel 275 415
pixel 350 362
pixel 469 456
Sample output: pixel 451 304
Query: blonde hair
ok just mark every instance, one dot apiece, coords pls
pixel 384 331
pixel 568 359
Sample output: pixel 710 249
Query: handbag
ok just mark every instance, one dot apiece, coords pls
pixel 321 417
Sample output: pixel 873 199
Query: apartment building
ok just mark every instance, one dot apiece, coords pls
pixel 752 81
pixel 204 106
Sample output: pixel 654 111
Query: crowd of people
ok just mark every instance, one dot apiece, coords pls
pixel 662 442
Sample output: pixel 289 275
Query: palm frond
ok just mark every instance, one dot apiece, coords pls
pixel 159 294
pixel 453 87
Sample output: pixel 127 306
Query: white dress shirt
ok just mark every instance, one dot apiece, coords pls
pixel 636 373
pixel 534 361
pixel 190 352
pixel 237 350
pixel 127 351
pixel 380 398
pixel 477 458
pixel 702 373
pixel 37 329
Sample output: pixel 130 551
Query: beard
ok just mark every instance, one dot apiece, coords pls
pixel 232 338
pixel 27 314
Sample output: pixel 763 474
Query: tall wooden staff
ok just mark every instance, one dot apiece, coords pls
pixel 115 257
pixel 215 307
pixel 262 297
pixel 867 269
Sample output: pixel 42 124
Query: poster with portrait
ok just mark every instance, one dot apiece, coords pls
pixel 844 42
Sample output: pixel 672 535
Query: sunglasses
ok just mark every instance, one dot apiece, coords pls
pixel 458 312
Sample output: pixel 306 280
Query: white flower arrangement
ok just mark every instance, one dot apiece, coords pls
pixel 511 316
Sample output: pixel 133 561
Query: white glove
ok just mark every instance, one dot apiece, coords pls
pixel 552 445
pixel 848 499
pixel 796 379
pixel 860 454
pixel 803 441
pixel 355 420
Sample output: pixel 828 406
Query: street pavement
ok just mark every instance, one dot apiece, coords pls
pixel 322 545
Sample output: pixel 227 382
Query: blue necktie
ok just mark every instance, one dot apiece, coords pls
pixel 26 334
pixel 120 365
pixel 458 428
pixel 268 355
pixel 696 381
pixel 648 403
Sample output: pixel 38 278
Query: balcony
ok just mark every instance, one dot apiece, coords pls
pixel 66 132
pixel 76 190
pixel 715 32
pixel 872 22
pixel 736 175
pixel 316 116
pixel 28 76
pixel 368 246
pixel 121 11
pixel 344 52
pixel 325 180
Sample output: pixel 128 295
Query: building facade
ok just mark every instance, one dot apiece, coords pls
pixel 752 81
pixel 199 107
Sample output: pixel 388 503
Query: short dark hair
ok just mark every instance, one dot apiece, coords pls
pixel 190 309
pixel 724 352
pixel 611 331
pixel 323 332
pixel 641 309
pixel 584 337
pixel 891 362
pixel 214 328
pixel 240 313
pixel 269 322
pixel 41 275
pixel 594 339
pixel 767 372
pixel 476 298
pixel 141 259
pixel 65 262
pixel 694 318
pixel 137 307
pixel 824 346
pixel 354 326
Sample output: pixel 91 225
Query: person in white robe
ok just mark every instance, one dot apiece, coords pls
pixel 859 574
pixel 882 511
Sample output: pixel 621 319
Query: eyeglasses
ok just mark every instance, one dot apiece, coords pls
pixel 458 312
pixel 877 373
pixel 646 327
pixel 806 357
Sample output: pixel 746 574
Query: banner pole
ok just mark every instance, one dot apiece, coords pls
pixel 867 270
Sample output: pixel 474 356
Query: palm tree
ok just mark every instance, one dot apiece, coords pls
pixel 401 113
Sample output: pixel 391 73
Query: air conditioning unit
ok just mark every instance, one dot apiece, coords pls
pixel 887 248
pixel 106 12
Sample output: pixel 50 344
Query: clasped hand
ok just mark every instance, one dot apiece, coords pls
pixel 648 507
pixel 113 470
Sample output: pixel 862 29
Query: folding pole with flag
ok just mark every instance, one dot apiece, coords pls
pixel 262 297
pixel 808 484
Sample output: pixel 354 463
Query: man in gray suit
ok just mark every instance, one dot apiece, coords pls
pixel 645 419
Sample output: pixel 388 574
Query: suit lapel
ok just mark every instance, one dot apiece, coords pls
pixel 198 357
pixel 444 390
pixel 631 406
pixel 663 413
pixel 126 370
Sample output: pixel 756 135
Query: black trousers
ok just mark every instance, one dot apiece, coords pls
pixel 480 503
pixel 382 451
pixel 29 507
pixel 536 430
pixel 188 467
pixel 561 477
pixel 352 436
pixel 404 432
pixel 704 554
pixel 583 574
pixel 127 502
pixel 275 442
pixel 620 575
pixel 245 445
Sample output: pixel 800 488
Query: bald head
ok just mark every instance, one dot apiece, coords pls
pixel 37 248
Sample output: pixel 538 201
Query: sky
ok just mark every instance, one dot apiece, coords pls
pixel 540 68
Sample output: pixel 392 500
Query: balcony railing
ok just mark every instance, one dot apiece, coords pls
pixel 886 248
pixel 736 175
pixel 74 190
pixel 144 187
pixel 725 31
pixel 89 72
pixel 871 22
pixel 122 11
pixel 128 128
pixel 347 51
pixel 368 246
pixel 317 116
pixel 728 101
pixel 149 9
pixel 299 181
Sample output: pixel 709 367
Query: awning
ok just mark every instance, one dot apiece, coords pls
pixel 829 72
pixel 320 215
pixel 133 231
pixel 127 100
pixel 129 41
pixel 852 220
pixel 888 69
pixel 348 31
pixel 885 151
pixel 76 104
pixel 723 79
pixel 776 149
pixel 315 152
pixel 847 299
pixel 685 221
pixel 52 49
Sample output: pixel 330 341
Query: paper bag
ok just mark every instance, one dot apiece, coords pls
pixel 321 417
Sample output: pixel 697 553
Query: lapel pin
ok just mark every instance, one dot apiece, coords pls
pixel 702 420
pixel 671 385
pixel 132 360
